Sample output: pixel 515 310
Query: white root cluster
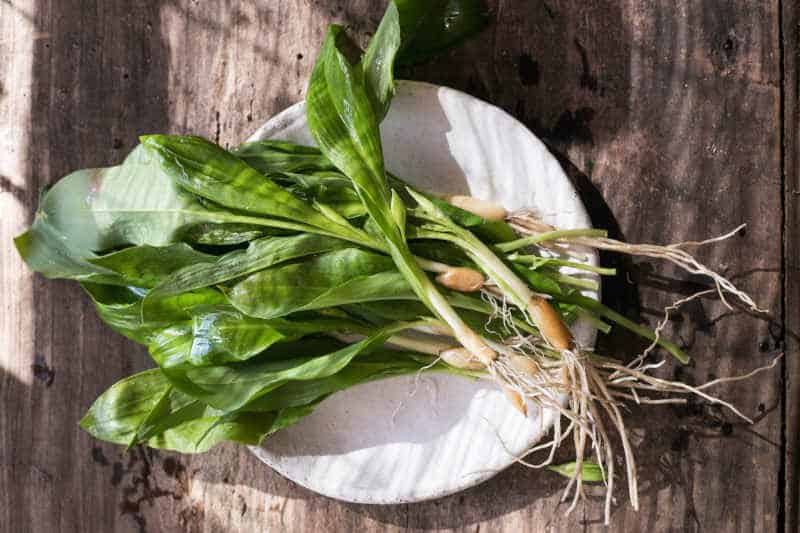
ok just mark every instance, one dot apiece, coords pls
pixel 526 223
pixel 589 391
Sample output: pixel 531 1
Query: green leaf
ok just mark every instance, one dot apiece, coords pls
pixel 192 427
pixel 411 31
pixel 121 308
pixel 201 434
pixel 379 58
pixel 95 210
pixel 344 124
pixel 326 187
pixel 224 234
pixel 219 334
pixel 327 280
pixel 145 266
pixel 210 172
pixel 539 281
pixel 273 157
pixel 600 310
pixel 398 210
pixel 591 472
pixel 432 26
pixel 378 365
pixel 146 408
pixel 47 251
pixel 260 254
pixel 119 412
pixel 230 387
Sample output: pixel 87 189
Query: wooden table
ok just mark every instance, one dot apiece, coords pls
pixel 676 120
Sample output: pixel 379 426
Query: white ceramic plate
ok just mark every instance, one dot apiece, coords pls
pixel 395 441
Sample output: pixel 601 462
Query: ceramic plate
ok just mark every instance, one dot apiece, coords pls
pixel 405 439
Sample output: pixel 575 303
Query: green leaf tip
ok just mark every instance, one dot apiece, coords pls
pixel 591 472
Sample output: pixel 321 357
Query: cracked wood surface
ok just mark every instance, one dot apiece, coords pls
pixel 676 121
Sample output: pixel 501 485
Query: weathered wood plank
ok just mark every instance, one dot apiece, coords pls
pixel 791 261
pixel 94 79
pixel 666 115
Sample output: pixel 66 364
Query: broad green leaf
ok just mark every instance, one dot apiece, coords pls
pixel 379 365
pixel 219 334
pixel 330 188
pixel 172 408
pixel 121 308
pixel 145 266
pixel 119 412
pixel 273 157
pixel 285 417
pixel 259 254
pixel 327 280
pixel 190 426
pixel 171 349
pixel 47 251
pixel 198 436
pixel 230 387
pixel 146 408
pixel 325 184
pixel 201 434
pixel 211 172
pixel 225 335
pixel 95 210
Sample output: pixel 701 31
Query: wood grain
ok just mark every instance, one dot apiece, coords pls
pixel 791 190
pixel 668 117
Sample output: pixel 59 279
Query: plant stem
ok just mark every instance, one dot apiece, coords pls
pixel 575 282
pixel 596 322
pixel 550 236
pixel 603 311
pixel 537 260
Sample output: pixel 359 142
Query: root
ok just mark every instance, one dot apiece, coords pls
pixel 415 388
pixel 595 390
pixel 527 224
pixel 637 362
